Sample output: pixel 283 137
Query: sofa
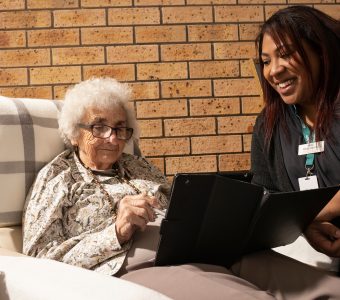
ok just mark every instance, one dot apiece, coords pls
pixel 29 139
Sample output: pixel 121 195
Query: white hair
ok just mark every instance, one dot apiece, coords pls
pixel 102 93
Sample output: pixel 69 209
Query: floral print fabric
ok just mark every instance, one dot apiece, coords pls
pixel 68 216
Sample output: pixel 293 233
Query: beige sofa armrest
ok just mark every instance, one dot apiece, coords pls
pixel 11 238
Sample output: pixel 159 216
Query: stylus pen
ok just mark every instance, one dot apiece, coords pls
pixel 159 212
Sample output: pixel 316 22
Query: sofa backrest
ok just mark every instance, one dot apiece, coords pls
pixel 29 139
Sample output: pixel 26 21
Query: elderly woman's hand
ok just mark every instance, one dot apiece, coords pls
pixel 134 212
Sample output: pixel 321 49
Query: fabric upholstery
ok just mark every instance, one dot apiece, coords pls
pixel 11 238
pixel 30 138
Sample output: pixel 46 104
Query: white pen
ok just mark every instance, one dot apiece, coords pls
pixel 159 212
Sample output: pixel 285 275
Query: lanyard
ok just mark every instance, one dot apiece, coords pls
pixel 308 139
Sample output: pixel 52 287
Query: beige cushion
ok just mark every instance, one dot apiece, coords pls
pixel 11 238
pixel 6 252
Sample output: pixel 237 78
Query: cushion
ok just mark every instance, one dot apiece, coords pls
pixel 11 238
pixel 30 139
pixel 27 278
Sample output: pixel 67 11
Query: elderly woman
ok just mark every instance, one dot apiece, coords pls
pixel 87 204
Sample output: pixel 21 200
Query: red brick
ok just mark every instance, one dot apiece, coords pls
pixel 236 124
pixel 162 108
pixel 189 126
pixel 120 72
pixel 188 14
pixel 234 162
pixel 186 88
pixel 134 16
pixel 152 71
pixel 191 164
pixel 216 144
pixel 214 106
pixel 165 146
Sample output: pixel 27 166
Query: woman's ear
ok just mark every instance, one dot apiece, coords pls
pixel 74 144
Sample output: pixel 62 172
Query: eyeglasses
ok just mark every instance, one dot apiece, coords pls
pixel 104 131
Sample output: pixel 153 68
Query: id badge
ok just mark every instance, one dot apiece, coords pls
pixel 308 183
pixel 310 148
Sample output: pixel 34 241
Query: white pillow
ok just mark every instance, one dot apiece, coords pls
pixel 29 138
pixel 30 278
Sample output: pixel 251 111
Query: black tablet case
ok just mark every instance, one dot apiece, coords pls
pixel 216 218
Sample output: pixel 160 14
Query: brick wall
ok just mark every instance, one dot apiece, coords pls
pixel 187 61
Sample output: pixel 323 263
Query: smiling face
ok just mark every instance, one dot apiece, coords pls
pixel 97 153
pixel 285 72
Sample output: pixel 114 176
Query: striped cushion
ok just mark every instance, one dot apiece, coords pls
pixel 29 139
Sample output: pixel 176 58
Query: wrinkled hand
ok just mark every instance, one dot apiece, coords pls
pixel 134 212
pixel 324 237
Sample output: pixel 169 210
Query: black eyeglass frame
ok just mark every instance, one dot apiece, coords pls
pixel 90 127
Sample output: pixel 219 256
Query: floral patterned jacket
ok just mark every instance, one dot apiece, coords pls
pixel 68 217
